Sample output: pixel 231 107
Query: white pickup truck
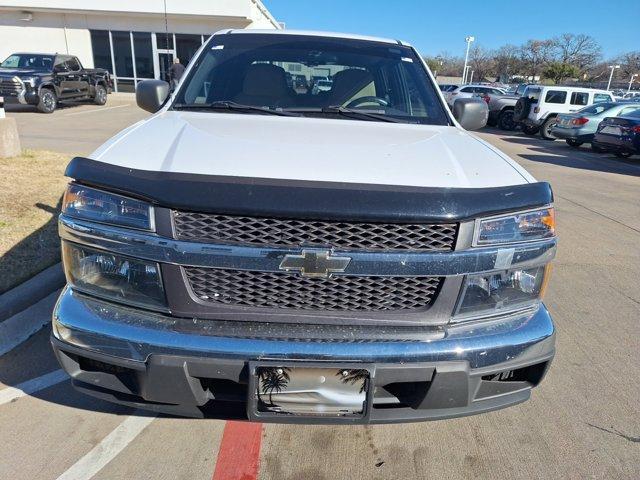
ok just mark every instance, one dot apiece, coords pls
pixel 257 252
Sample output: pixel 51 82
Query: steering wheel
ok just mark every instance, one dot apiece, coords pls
pixel 359 101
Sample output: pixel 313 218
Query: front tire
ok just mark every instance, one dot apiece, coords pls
pixel 506 121
pixel 573 143
pixel 529 130
pixel 545 130
pixel 100 97
pixel 48 101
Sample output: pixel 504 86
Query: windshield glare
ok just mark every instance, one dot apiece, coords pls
pixel 308 74
pixel 597 108
pixel 40 62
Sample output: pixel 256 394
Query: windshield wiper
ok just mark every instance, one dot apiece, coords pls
pixel 347 112
pixel 233 106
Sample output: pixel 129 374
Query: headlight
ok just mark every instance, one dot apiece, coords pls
pixel 98 206
pixel 103 274
pixel 500 292
pixel 517 227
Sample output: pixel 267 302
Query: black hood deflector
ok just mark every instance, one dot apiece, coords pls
pixel 284 198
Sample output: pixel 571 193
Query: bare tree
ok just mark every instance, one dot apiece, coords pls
pixel 535 55
pixel 506 62
pixel 629 63
pixel 581 51
pixel 481 62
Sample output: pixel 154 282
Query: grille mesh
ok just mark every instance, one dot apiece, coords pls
pixel 207 227
pixel 9 86
pixel 291 291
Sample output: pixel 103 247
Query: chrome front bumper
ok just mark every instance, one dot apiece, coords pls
pixel 169 364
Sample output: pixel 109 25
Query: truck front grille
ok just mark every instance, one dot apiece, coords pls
pixel 291 291
pixel 10 86
pixel 209 227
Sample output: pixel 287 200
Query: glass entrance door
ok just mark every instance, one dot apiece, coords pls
pixel 165 59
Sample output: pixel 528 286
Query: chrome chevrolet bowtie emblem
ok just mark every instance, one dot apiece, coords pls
pixel 313 263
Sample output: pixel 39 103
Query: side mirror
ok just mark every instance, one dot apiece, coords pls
pixel 471 113
pixel 151 94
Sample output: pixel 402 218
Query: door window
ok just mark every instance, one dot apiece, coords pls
pixel 628 110
pixel 72 64
pixel 59 65
pixel 601 97
pixel 579 98
pixel 556 96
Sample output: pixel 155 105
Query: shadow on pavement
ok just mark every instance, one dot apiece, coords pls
pixel 20 108
pixel 37 251
pixel 556 153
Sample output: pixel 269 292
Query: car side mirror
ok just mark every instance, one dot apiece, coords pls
pixel 471 113
pixel 151 94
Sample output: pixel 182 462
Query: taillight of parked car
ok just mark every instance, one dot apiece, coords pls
pixel 636 129
pixel 579 121
pixel 486 98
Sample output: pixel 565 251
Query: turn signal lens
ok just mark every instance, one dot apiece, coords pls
pixel 518 227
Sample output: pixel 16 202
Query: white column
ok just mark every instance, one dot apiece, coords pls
pixel 113 63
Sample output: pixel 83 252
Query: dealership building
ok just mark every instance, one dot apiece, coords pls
pixel 132 39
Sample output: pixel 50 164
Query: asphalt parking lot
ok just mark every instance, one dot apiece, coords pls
pixel 75 127
pixel 582 422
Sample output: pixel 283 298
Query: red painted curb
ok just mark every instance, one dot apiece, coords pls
pixel 239 454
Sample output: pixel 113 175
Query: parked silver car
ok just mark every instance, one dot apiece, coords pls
pixel 579 127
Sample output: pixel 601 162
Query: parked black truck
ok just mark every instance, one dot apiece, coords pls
pixel 45 79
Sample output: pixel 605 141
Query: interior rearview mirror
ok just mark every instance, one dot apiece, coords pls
pixel 471 113
pixel 151 94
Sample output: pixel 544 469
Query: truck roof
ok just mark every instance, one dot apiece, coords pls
pixel 314 33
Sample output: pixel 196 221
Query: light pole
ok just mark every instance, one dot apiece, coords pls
pixel 468 39
pixel 464 75
pixel 612 67
pixel 440 61
pixel 631 81
pixel 471 76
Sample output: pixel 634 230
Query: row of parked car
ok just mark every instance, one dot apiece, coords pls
pixel 577 115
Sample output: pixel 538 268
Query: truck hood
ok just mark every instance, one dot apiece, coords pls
pixel 315 149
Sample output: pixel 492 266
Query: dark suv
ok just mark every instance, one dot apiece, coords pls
pixel 44 79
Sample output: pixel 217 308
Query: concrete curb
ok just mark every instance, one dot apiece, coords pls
pixel 30 292
pixel 21 326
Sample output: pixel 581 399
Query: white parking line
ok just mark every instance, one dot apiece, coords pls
pixel 95 110
pixel 10 394
pixel 107 449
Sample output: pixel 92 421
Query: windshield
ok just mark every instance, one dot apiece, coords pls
pixel 597 108
pixel 313 76
pixel 29 60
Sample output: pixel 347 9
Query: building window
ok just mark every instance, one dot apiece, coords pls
pixel 122 54
pixel 126 85
pixel 164 41
pixel 144 55
pixel 101 50
pixel 186 47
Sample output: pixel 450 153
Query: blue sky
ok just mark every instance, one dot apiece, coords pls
pixel 441 25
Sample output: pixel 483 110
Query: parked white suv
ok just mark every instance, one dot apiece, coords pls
pixel 469 91
pixel 539 105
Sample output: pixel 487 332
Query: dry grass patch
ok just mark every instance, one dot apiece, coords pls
pixel 31 187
